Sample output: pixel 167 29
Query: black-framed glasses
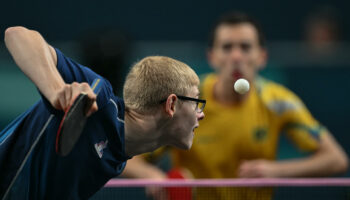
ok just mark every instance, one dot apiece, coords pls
pixel 200 103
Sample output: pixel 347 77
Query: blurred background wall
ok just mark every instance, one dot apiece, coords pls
pixel 121 32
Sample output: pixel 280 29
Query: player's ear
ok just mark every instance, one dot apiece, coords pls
pixel 211 58
pixel 170 105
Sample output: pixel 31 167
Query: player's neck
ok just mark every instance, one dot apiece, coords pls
pixel 141 133
pixel 224 93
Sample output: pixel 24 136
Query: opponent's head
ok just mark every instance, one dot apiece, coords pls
pixel 237 47
pixel 153 85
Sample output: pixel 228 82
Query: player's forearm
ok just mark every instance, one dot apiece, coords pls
pixel 329 160
pixel 35 58
pixel 138 168
pixel 310 167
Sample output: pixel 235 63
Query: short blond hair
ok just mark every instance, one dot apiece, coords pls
pixel 153 79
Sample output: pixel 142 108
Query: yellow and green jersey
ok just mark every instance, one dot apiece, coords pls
pixel 249 130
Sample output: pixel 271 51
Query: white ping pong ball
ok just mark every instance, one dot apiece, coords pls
pixel 241 86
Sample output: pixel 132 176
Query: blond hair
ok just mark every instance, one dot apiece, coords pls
pixel 153 79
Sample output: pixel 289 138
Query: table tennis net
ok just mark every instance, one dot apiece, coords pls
pixel 241 189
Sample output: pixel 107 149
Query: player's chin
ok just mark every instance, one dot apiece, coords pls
pixel 186 146
pixel 186 143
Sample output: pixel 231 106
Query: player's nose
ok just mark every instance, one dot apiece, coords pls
pixel 236 54
pixel 200 115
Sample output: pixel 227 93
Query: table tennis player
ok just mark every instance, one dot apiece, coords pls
pixel 160 107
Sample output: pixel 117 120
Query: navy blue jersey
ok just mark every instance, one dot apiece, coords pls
pixel 29 165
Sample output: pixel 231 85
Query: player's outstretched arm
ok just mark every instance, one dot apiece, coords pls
pixel 38 60
pixel 330 159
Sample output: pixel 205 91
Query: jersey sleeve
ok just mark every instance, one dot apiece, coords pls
pixel 296 120
pixel 72 71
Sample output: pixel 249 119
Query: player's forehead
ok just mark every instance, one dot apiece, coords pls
pixel 243 32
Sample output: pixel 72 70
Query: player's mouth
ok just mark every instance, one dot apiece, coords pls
pixel 236 74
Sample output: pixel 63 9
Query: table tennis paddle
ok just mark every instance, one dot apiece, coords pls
pixel 73 121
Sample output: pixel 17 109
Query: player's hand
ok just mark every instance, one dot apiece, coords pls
pixel 65 97
pixel 258 169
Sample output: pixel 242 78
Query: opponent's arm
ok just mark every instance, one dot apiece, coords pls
pixel 137 167
pixel 38 60
pixel 329 159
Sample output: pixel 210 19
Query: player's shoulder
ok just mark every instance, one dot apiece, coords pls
pixel 206 82
pixel 207 77
pixel 276 96
pixel 268 88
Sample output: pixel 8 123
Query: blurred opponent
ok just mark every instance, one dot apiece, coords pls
pixel 240 134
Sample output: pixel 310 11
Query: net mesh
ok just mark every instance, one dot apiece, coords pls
pixel 241 189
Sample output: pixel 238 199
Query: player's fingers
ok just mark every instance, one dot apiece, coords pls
pixel 63 97
pixel 92 96
pixel 246 170
pixel 91 108
pixel 85 88
pixel 62 100
pixel 250 163
pixel 57 105
pixel 68 95
pixel 58 102
pixel 75 91
pixel 92 105
pixel 243 173
pixel 244 165
pixel 247 174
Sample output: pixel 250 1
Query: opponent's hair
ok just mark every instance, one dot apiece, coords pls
pixel 236 18
pixel 153 79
